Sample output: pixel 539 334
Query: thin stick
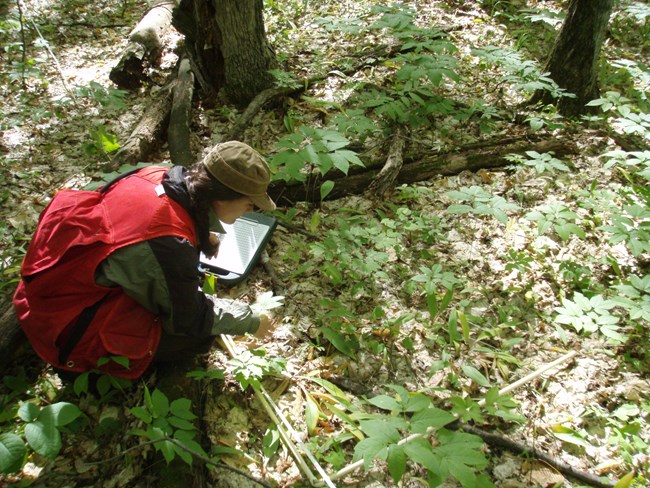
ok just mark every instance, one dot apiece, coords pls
pixel 354 466
pixel 535 374
pixel 185 448
pixel 517 448
pixel 23 59
pixel 325 477
pixel 54 58
pixel 282 423
pixel 286 439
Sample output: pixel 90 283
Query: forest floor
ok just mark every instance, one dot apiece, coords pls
pixel 412 290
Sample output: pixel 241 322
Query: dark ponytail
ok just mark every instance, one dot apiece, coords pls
pixel 204 189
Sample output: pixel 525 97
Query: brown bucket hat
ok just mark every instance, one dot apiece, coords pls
pixel 242 169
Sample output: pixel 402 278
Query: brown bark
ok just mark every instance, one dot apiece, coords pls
pixel 247 54
pixel 227 45
pixel 383 182
pixel 574 59
pixel 148 133
pixel 195 20
pixel 254 107
pixel 421 167
pixel 145 46
pixel 178 132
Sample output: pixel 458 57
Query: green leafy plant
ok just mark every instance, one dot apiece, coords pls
pixel 522 74
pixel 576 275
pixel 559 218
pixel 169 425
pixel 455 454
pixel 266 302
pixel 41 432
pixel 432 279
pixel 284 79
pixel 102 142
pixel 354 123
pixel 251 366
pixel 637 161
pixel 105 385
pixel 590 315
pixel 630 224
pixel 435 276
pixel 634 296
pixel 540 162
pixel 623 427
pixel 423 61
pixel 480 202
pixel 627 116
pixel 358 248
pixel 338 326
pixel 109 98
pixel 545 16
pixel 312 149
pixel 518 260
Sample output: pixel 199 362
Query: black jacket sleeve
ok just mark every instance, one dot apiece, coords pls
pixel 192 311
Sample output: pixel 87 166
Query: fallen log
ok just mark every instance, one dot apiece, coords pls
pixel 147 134
pixel 145 46
pixel 490 154
pixel 178 132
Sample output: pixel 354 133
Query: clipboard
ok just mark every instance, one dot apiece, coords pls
pixel 240 247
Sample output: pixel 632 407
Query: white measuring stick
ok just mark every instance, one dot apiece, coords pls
pixel 282 423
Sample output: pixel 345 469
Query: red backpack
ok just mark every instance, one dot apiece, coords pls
pixel 70 321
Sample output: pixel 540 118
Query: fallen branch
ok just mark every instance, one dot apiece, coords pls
pixel 276 283
pixel 178 131
pixel 145 46
pixel 354 466
pixel 496 440
pixel 254 107
pixel 11 335
pixel 194 454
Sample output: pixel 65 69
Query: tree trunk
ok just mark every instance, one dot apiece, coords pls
pixel 246 53
pixel 574 60
pixel 227 44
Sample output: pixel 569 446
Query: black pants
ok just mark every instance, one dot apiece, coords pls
pixel 172 348
pixel 177 347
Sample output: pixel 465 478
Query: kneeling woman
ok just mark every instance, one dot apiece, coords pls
pixel 113 272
